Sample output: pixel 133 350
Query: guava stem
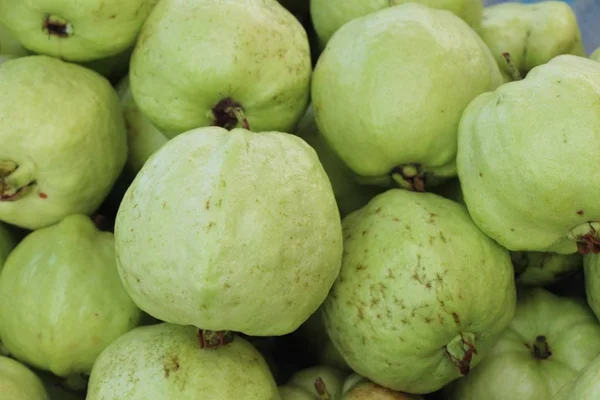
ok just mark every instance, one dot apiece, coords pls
pixel 587 237
pixel 227 113
pixel 409 177
pixel 541 350
pixel 460 351
pixel 214 339
pixel 241 117
pixel 514 72
pixel 321 389
pixel 15 180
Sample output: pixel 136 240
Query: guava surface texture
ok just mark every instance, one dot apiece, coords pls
pixel 595 55
pixel 422 295
pixel 230 230
pixel 17 382
pixel 585 386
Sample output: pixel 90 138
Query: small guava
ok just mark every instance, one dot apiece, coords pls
pixel 17 382
pixel 163 362
pixel 7 243
pixel 314 383
pixel 63 139
pixel 538 268
pixel 595 55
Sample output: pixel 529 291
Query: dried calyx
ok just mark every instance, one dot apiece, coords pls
pixel 15 180
pixel 57 26
pixel 513 71
pixel 460 351
pixel 214 339
pixel 410 177
pixel 321 389
pixel 540 348
pixel 587 237
pixel 227 113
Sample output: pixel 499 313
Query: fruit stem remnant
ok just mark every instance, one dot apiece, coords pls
pixel 15 180
pixel 460 351
pixel 56 26
pixel 587 237
pixel 321 389
pixel 540 349
pixel 214 339
pixel 410 177
pixel 514 72
pixel 227 113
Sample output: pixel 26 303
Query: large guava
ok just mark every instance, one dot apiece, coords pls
pixel 585 386
pixel 230 57
pixel 61 299
pixel 163 362
pixel 521 150
pixel 9 45
pixel 81 30
pixel 314 383
pixel 7 243
pixel 63 139
pixel 230 230
pixel 17 382
pixel 550 340
pixel 392 116
pixel 422 295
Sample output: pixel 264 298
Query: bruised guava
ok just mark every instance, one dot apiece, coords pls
pixel 422 295
pixel 17 382
pixel 63 140
pixel 314 383
pixel 163 362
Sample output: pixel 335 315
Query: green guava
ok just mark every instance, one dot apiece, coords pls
pixel 328 16
pixel 523 36
pixel 63 139
pixel 9 45
pixel 595 55
pixel 143 138
pixel 61 298
pixel 163 362
pixel 585 386
pixel 550 340
pixel 81 30
pixel 591 269
pixel 392 116
pixel 7 243
pixel 315 383
pixel 422 295
pixel 357 387
pixel 17 382
pixel 245 234
pixel 520 143
pixel 537 268
pixel 231 57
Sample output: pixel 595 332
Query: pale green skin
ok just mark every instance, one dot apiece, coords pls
pixel 245 234
pixel 64 128
pixel 520 143
pixel 330 15
pixel 98 28
pixel 595 55
pixel 17 382
pixel 536 269
pixel 6 57
pixel 357 387
pixel 255 52
pixel 301 386
pixel 7 243
pixel 591 269
pixel 374 96
pixel 143 138
pixel 10 45
pixel 510 370
pixel 585 386
pixel 61 298
pixel 164 361
pixel 416 275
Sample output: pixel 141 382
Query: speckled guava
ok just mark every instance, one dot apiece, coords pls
pixel 231 57
pixel 357 387
pixel 422 295
pixel 314 383
pixel 585 386
pixel 550 340
pixel 591 269
pixel 81 30
pixel 17 382
pixel 530 35
pixel 538 269
pixel 163 362
pixel 244 233
pixel 392 116
pixel 595 55
pixel 7 243
pixel 61 299
pixel 520 143
pixel 63 139
pixel 10 45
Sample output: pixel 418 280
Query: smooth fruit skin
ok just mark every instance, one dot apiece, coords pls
pixel 591 269
pixel 61 298
pixel 585 386
pixel 511 371
pixel 17 382
pixel 253 51
pixel 416 274
pixel 96 28
pixel 523 157
pixel 164 362
pixel 384 90
pixel 244 232
pixel 62 125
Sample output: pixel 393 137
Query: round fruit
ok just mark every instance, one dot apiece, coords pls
pixel 17 382
pixel 315 383
pixel 536 268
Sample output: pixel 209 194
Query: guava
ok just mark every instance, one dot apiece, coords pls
pixel 244 233
pixel 422 295
pixel 550 340
pixel 56 387
pixel 61 298
pixel 585 386
pixel 63 139
pixel 328 16
pixel 595 55
pixel 82 30
pixel 9 45
pixel 392 116
pixel 7 243
pixel 591 269
pixel 314 383
pixel 163 362
pixel 17 382
pixel 232 57
pixel 520 143
pixel 523 36
pixel 537 268
pixel 143 138
pixel 357 387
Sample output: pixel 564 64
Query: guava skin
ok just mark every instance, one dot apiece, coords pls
pixel 75 30
pixel 17 382
pixel 550 340
pixel 42 325
pixel 63 139
pixel 304 384
pixel 9 45
pixel 532 34
pixel 164 362
pixel 251 54
pixel 595 55
pixel 422 294
pixel 369 101
pixel 7 243
pixel 585 386
pixel 520 143
pixel 591 269
pixel 245 234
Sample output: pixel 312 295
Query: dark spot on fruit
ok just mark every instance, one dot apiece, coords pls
pixel 55 28
pixel 227 286
pixel 211 224
pixel 456 318
pixel 112 16
pixel 207 205
pixel 364 233
pixel 443 237
pixel 164 204
pixel 428 320
pixel 43 195
pixel 395 219
pixel 377 210
pixel 580 212
pixel 360 267
pixel 480 174
pixel 171 365
pixel 224 113
pixel 404 321
pixel 359 310
pixel 428 285
pixel 390 274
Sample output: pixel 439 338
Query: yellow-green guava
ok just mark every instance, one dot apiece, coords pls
pixel 81 30
pixel 63 139
pixel 314 383
pixel 518 153
pixel 163 362
pixel 392 116
pixel 422 295
pixel 17 382
pixel 230 230
pixel 61 299
pixel 585 386
pixel 230 57
pixel 9 45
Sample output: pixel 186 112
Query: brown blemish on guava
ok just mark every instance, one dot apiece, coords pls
pixel 481 175
pixel 170 365
pixel 210 225
pixel 360 267
pixel 589 243
pixel 360 312
pixel 43 195
pixel 390 274
pixel 364 232
pixel 580 212
pixel 207 205
pixel 456 318
pixel 227 286
pixel 377 210
pixel 55 28
pixel 443 237
pixel 112 16
pixel 395 219
pixel 227 113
